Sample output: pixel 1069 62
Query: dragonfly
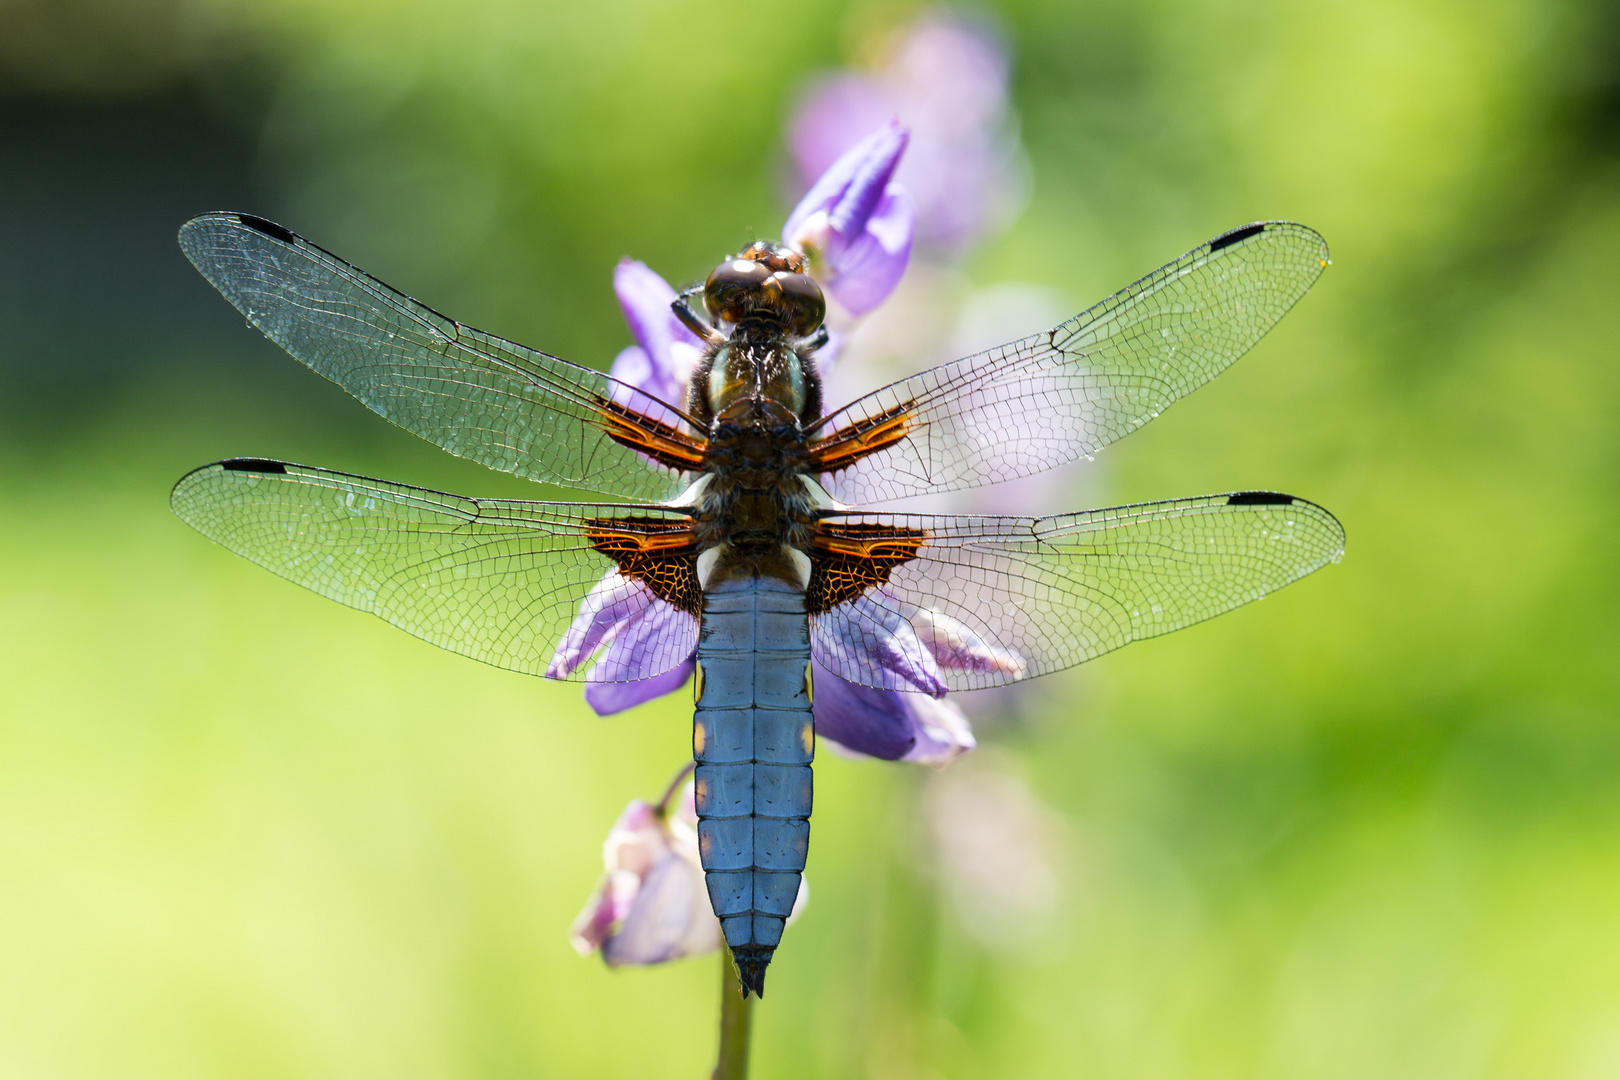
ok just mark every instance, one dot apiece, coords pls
pixel 744 515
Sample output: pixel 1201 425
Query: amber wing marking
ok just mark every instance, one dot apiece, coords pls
pixel 657 552
pixel 664 443
pixel 848 445
pixel 847 560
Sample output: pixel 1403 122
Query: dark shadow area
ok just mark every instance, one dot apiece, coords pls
pixel 93 289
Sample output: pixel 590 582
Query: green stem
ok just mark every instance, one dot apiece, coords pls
pixel 736 1018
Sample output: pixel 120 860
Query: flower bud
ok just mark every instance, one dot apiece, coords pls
pixel 856 223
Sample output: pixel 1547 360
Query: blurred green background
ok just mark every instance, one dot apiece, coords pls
pixel 1368 828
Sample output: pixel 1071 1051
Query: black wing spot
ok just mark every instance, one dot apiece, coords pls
pixel 1259 498
pixel 1227 239
pixel 255 465
pixel 269 228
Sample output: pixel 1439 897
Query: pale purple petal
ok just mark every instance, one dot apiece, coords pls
pixel 661 637
pixel 669 352
pixel 607 698
pixel 633 845
pixel 947 82
pixel 670 918
pixel 902 653
pixel 889 724
pixel 872 644
pixel 871 264
pixel 651 904
pixel 856 223
pixel 611 604
pixel 595 921
pixel 957 68
pixel 943 732
pixel 956 646
pixel 834 115
pixel 874 170
pixel 634 368
pixel 873 158
pixel 877 723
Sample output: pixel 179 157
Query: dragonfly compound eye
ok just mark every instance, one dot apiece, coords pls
pixel 803 306
pixel 735 289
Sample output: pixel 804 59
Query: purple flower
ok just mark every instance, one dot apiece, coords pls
pixel 636 633
pixel 889 724
pixel 869 636
pixel 611 605
pixel 607 698
pixel 666 353
pixel 652 905
pixel 856 222
pixel 953 645
pixel 947 82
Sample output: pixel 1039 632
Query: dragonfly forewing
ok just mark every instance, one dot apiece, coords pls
pixel 478 396
pixel 1064 394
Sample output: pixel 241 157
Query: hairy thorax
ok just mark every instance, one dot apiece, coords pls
pixel 756 512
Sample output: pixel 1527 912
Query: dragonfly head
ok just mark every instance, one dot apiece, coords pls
pixel 765 281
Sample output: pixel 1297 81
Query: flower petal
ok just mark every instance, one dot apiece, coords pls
pixel 661 638
pixel 606 609
pixel 607 698
pixel 946 80
pixel 856 223
pixel 877 723
pixel 954 645
pixel 871 263
pixel 874 172
pixel 669 352
pixel 889 724
pixel 633 846
pixel 833 115
pixel 943 732
pixel 670 918
pixel 869 641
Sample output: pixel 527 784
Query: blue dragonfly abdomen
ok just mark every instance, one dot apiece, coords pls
pixel 753 738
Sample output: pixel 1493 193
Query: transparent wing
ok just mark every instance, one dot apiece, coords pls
pixel 992 600
pixel 501 581
pixel 1066 393
pixel 496 402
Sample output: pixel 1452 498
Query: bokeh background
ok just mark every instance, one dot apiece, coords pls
pixel 1368 828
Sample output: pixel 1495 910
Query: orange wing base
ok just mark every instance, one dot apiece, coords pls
pixel 662 442
pixel 847 560
pixel 848 445
pixel 660 554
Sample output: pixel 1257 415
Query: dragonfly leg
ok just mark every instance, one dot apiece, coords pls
pixel 682 307
pixel 814 341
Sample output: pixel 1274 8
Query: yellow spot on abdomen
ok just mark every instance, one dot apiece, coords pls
pixel 699 737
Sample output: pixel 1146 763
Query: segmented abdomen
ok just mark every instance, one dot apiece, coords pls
pixel 753 738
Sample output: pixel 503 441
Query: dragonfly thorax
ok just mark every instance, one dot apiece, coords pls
pixel 754 363
pixel 756 504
